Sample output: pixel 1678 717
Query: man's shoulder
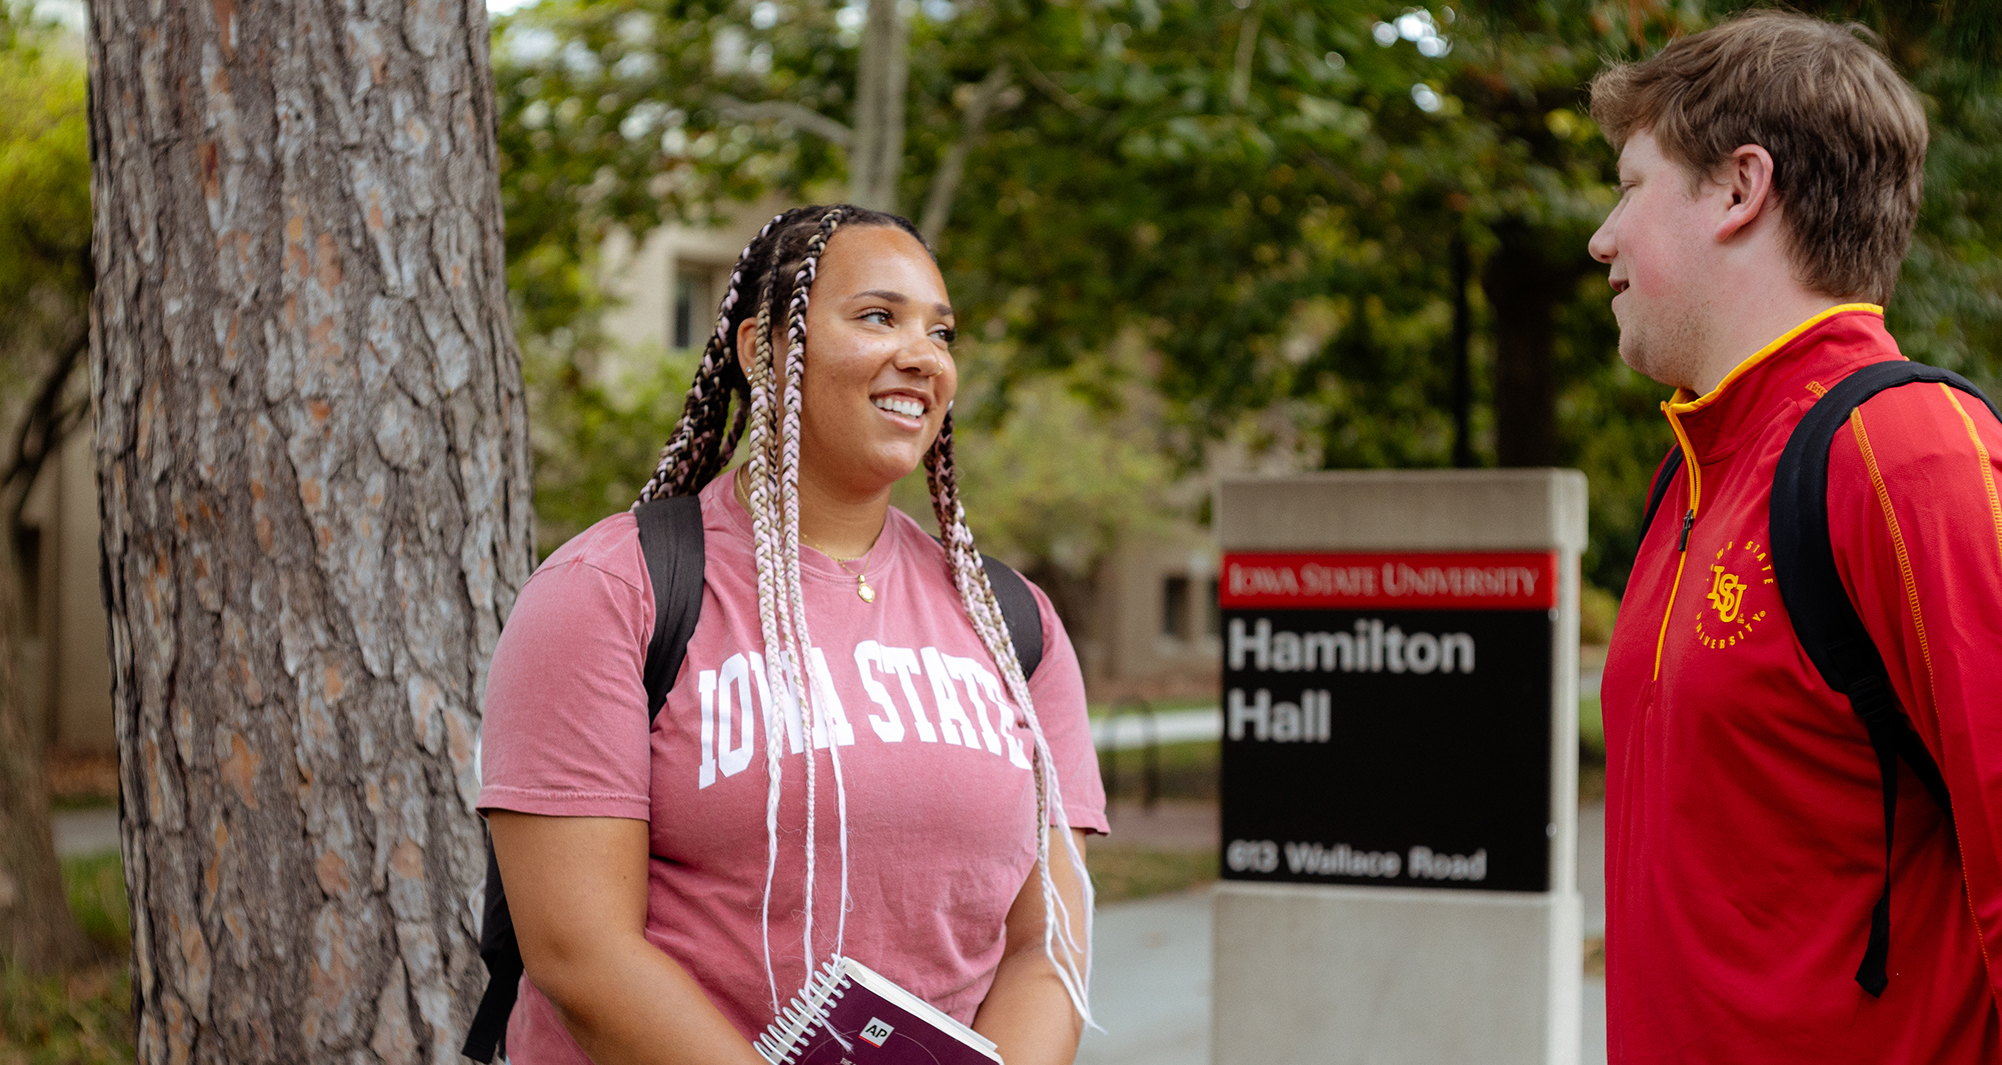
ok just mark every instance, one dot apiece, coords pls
pixel 1915 427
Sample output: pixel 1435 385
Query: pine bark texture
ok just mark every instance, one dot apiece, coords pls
pixel 313 464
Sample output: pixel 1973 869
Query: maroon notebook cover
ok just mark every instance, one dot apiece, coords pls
pixel 877 1032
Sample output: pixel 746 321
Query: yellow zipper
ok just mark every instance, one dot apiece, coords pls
pixel 1688 521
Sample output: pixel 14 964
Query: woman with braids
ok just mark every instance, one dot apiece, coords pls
pixel 850 761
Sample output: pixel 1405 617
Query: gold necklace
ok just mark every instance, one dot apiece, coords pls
pixel 862 589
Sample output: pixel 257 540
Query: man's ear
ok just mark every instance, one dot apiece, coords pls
pixel 1748 178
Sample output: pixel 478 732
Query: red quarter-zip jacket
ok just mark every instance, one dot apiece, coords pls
pixel 1744 811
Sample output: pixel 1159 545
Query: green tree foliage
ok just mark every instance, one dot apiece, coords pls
pixel 1344 229
pixel 45 272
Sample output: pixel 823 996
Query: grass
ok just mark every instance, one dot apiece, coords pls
pixel 1123 873
pixel 1163 705
pixel 97 897
pixel 1591 731
pixel 78 1018
pixel 1185 771
pixel 84 1016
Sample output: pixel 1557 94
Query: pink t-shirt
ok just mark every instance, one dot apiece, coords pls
pixel 941 801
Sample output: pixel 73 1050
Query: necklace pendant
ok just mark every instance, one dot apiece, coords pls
pixel 862 588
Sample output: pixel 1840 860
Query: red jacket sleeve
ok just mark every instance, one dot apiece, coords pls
pixel 1916 526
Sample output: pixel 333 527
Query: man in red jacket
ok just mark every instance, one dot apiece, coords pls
pixel 1769 178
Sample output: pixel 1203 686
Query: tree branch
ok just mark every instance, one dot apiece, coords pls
pixel 1240 73
pixel 945 183
pixel 43 426
pixel 806 118
pixel 1057 92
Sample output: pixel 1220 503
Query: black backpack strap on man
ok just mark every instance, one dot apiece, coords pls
pixel 671 542
pixel 1825 620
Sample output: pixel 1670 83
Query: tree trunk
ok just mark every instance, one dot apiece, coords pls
pixel 1524 288
pixel 876 160
pixel 37 931
pixel 1463 362
pixel 945 183
pixel 313 470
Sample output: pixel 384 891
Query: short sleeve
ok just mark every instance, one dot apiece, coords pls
pixel 566 729
pixel 1058 689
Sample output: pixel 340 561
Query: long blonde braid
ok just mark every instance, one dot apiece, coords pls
pixel 969 575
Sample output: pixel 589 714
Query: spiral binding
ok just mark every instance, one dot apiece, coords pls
pixel 788 1032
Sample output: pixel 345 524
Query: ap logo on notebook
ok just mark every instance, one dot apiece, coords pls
pixel 875 1032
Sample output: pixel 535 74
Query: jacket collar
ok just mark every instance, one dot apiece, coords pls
pixel 1794 368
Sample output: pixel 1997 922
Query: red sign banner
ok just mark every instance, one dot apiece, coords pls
pixel 1406 580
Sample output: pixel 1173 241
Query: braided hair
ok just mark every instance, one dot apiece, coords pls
pixel 782 262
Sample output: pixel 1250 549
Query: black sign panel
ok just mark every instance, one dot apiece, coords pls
pixel 1394 748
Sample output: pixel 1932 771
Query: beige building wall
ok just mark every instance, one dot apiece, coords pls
pixel 65 662
pixel 1157 633
pixel 80 673
pixel 667 286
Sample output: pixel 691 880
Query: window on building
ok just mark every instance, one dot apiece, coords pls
pixel 28 563
pixel 1212 613
pixel 694 307
pixel 1175 607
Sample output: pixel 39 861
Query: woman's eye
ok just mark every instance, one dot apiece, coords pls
pixel 878 317
pixel 945 334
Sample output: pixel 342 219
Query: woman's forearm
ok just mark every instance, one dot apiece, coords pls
pixel 633 1005
pixel 1028 1013
pixel 577 887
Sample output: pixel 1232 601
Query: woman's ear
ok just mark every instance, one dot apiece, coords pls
pixel 747 345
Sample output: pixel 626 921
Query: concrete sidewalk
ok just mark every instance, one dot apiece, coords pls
pixel 85 833
pixel 1151 979
pixel 1151 984
pixel 1151 987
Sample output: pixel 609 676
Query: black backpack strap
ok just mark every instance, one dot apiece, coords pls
pixel 1825 621
pixel 502 953
pixel 1018 609
pixel 1664 475
pixel 671 541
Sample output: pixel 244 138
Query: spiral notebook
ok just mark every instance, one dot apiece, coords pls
pixel 847 1014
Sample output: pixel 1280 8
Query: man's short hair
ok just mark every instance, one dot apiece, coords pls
pixel 1846 133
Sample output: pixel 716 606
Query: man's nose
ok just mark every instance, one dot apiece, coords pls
pixel 1602 245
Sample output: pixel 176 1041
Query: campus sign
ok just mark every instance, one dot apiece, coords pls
pixel 1387 718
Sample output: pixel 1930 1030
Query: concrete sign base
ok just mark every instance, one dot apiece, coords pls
pixel 1394 976
pixel 1400 769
